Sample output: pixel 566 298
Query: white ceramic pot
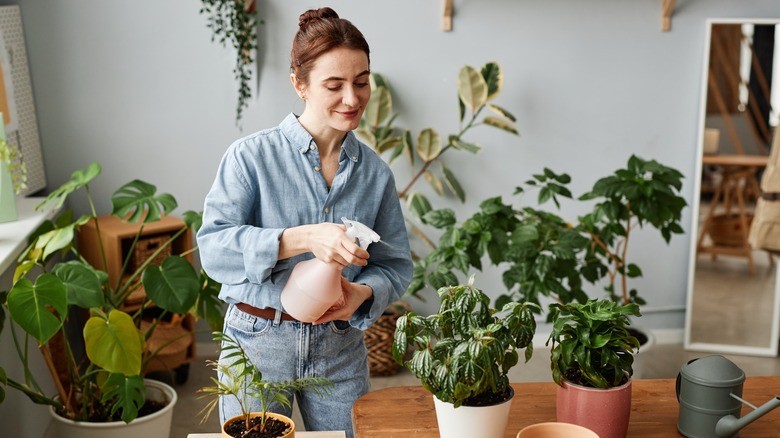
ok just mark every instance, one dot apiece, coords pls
pixel 472 421
pixel 156 425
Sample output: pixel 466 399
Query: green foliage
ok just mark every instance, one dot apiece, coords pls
pixel 11 156
pixel 467 349
pixel 243 381
pixel 109 380
pixel 544 255
pixel 476 89
pixel 590 343
pixel 234 22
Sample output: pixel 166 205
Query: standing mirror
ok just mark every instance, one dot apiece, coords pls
pixel 733 289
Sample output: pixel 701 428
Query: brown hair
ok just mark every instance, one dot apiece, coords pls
pixel 319 31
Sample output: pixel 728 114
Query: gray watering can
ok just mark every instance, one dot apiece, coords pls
pixel 709 391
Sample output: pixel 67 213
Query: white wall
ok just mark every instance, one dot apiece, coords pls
pixel 139 87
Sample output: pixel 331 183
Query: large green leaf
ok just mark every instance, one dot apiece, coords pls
pixel 127 393
pixel 379 107
pixel 29 305
pixel 428 144
pixel 83 283
pixel 137 201
pixel 114 343
pixel 78 179
pixel 173 286
pixel 472 89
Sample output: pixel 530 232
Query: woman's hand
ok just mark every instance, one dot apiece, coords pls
pixel 327 241
pixel 354 296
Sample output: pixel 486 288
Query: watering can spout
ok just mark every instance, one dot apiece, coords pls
pixel 729 425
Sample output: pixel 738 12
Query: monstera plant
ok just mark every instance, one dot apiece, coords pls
pixel 98 368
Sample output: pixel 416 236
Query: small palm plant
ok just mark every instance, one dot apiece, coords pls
pixel 243 381
pixel 591 345
pixel 463 353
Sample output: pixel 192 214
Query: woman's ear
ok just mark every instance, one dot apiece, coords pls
pixel 298 86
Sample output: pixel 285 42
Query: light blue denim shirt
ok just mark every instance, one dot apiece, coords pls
pixel 269 181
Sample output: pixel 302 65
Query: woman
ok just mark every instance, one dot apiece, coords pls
pixel 278 199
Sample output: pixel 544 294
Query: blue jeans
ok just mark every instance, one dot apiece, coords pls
pixel 287 350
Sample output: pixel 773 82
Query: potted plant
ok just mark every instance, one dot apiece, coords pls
pixel 13 177
pixel 544 255
pixel 98 368
pixel 477 90
pixel 591 358
pixel 462 355
pixel 242 380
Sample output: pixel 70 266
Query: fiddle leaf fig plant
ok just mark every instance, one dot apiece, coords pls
pixel 477 90
pixel 590 343
pixel 107 384
pixel 462 354
pixel 544 255
pixel 242 380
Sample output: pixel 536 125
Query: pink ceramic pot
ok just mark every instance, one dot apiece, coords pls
pixel 604 411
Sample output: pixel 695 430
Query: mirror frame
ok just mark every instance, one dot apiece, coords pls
pixel 772 349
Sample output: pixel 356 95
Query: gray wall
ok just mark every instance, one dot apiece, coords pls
pixel 140 87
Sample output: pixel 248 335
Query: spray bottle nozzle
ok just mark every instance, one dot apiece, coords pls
pixel 364 235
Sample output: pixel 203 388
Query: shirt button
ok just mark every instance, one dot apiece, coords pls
pixel 354 158
pixel 326 209
pixel 312 146
pixel 316 168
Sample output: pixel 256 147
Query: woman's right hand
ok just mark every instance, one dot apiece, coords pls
pixel 327 241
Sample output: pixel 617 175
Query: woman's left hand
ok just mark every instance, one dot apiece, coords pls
pixel 354 296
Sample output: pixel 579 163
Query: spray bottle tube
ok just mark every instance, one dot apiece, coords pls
pixel 315 286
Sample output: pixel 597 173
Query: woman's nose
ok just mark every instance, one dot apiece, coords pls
pixel 350 96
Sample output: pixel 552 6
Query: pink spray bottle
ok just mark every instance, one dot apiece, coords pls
pixel 314 286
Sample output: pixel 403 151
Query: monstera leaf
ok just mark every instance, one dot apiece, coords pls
pixel 29 305
pixel 173 286
pixel 137 201
pixel 114 343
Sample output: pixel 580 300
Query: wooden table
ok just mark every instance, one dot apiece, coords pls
pixel 407 411
pixel 738 186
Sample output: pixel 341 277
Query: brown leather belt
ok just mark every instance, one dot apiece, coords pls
pixel 263 313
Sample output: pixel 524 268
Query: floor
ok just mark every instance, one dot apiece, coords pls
pixel 658 361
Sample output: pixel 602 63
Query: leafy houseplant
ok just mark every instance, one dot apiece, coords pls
pixel 463 353
pixel 590 343
pixel 235 22
pixel 104 381
pixel 242 380
pixel 591 359
pixel 543 254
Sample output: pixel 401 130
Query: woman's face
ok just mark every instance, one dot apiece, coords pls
pixel 337 92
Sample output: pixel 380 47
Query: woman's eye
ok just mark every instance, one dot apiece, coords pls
pixel 361 85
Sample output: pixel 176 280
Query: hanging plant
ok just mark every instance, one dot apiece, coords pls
pixel 235 22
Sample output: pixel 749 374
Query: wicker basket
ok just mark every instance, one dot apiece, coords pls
pixel 145 247
pixel 379 342
pixel 726 229
pixel 173 341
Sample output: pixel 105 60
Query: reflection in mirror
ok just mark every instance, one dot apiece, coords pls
pixel 734 294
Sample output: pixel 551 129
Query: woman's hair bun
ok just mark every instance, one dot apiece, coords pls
pixel 313 15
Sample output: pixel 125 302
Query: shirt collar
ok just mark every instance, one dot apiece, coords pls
pixel 302 140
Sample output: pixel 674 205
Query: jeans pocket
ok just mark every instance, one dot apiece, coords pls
pixel 340 327
pixel 246 324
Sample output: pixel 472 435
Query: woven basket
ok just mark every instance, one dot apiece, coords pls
pixel 726 229
pixel 145 247
pixel 379 342
pixel 172 339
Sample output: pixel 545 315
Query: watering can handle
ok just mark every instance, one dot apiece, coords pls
pixel 677 386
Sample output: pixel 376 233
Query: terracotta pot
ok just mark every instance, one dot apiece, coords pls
pixel 556 430
pixel 156 425
pixel 472 421
pixel 280 417
pixel 604 411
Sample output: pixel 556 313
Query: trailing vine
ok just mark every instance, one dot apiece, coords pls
pixel 234 22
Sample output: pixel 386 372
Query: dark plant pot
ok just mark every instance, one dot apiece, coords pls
pixel 289 434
